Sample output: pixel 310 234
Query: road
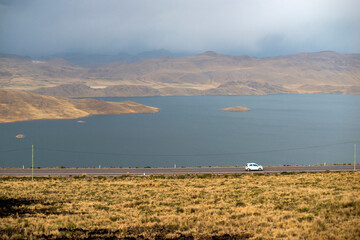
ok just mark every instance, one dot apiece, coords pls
pixel 165 171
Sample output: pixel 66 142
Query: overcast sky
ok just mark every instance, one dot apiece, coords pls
pixel 253 27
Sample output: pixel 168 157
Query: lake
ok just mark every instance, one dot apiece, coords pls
pixel 193 131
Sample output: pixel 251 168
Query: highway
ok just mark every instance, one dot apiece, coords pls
pixel 164 171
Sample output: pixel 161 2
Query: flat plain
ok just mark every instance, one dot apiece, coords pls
pixel 204 206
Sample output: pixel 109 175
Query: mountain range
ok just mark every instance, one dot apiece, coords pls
pixel 208 73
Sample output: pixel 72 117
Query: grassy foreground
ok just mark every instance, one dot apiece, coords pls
pixel 254 206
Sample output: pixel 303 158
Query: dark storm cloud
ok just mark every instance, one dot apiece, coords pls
pixel 257 27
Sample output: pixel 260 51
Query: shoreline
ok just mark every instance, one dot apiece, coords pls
pixel 77 118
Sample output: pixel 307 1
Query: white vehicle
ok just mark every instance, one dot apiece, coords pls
pixel 253 167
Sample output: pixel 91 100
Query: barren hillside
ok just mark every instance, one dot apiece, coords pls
pixel 23 106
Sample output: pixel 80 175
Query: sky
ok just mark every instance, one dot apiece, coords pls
pixel 238 27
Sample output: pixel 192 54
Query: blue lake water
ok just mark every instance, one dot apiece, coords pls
pixel 193 131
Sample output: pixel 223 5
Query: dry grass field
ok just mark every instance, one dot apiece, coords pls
pixel 247 206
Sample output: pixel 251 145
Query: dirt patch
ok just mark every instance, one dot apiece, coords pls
pixel 21 207
pixel 79 233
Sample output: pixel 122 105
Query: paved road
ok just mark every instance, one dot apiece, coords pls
pixel 167 171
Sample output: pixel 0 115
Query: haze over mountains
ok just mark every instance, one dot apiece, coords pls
pixel 97 60
pixel 208 73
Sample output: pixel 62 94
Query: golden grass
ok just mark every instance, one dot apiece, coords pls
pixel 255 206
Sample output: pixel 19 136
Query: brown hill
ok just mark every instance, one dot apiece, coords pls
pixel 23 106
pixel 248 88
pixel 76 90
pixel 203 74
